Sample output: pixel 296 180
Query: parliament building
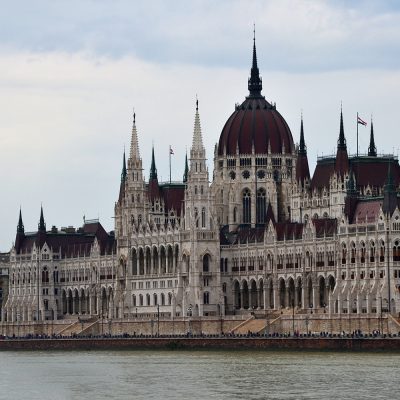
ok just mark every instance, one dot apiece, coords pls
pixel 261 233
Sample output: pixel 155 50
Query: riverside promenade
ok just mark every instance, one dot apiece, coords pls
pixel 280 342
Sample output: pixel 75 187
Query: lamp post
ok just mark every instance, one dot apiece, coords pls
pixel 158 320
pixel 293 316
pixel 381 319
pixel 189 310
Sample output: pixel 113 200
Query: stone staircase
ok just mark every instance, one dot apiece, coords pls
pixel 79 327
pixel 256 325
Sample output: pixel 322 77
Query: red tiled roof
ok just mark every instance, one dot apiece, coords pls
pixel 373 171
pixel 288 230
pixel 71 244
pixel 325 226
pixel 173 196
pixel 322 174
pixel 367 211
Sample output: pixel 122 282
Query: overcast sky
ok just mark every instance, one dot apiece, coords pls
pixel 71 72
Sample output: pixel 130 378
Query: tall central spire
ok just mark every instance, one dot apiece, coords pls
pixel 197 143
pixel 255 81
pixel 153 169
pixel 342 139
pixel 302 145
pixel 42 224
pixel 134 153
pixel 20 227
pixel 372 147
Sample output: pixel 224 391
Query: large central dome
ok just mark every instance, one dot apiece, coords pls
pixel 255 125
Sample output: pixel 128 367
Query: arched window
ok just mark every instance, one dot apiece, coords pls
pixel 196 217
pixel 134 300
pixel 155 299
pixel 234 215
pixel 396 251
pixel 162 299
pixel 140 299
pixel 45 275
pixel 353 253
pixel 372 251
pixel 344 253
pixel 206 263
pixel 148 299
pixel 363 252
pixel 382 251
pixel 203 217
pixel 206 298
pixel 169 299
pixel 246 206
pixel 261 206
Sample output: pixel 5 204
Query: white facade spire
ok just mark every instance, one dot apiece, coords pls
pixel 197 144
pixel 134 153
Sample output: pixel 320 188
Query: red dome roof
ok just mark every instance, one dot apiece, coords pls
pixel 255 123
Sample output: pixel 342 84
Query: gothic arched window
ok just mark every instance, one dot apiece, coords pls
pixel 203 217
pixel 206 263
pixel 261 206
pixel 246 206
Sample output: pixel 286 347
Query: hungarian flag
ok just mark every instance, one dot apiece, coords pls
pixel 170 150
pixel 360 121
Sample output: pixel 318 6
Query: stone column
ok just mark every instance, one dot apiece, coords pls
pixel 315 295
pixel 80 304
pixel 368 301
pixel 287 305
pixel 152 263
pixel 276 296
pixel 266 297
pixel 304 303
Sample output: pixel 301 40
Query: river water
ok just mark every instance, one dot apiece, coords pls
pixel 221 375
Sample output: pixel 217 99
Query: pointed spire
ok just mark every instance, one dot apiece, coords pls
pixel 255 81
pixel 197 143
pixel 153 169
pixel 186 173
pixel 372 147
pixel 302 146
pixel 20 227
pixel 123 173
pixel 342 139
pixel 134 153
pixel 42 224
pixel 302 168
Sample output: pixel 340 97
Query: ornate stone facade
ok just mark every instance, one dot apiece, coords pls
pixel 264 235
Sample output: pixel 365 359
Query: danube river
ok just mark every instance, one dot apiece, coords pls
pixel 198 375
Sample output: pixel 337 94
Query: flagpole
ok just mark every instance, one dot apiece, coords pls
pixel 357 134
pixel 169 164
